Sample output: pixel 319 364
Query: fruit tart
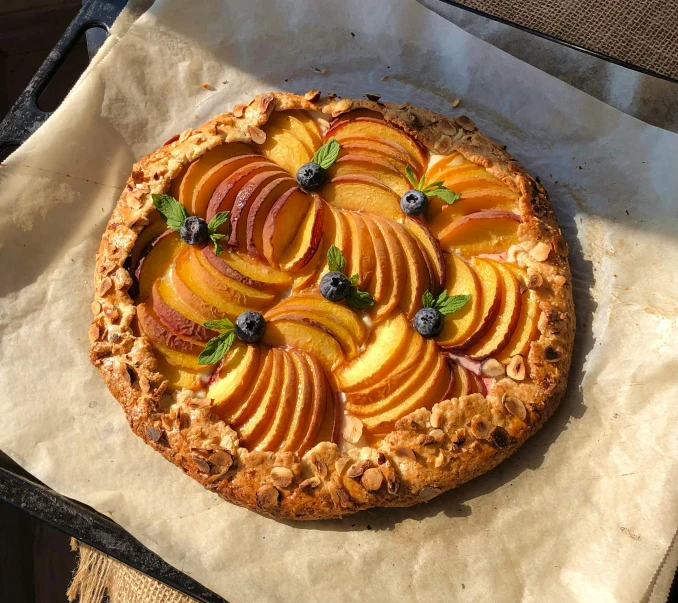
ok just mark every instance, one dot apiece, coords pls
pixel 315 305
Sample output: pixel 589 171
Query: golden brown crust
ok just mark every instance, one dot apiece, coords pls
pixel 429 451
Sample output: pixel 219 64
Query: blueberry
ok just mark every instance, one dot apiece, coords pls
pixel 414 203
pixel 194 230
pixel 310 176
pixel 428 322
pixel 335 286
pixel 250 326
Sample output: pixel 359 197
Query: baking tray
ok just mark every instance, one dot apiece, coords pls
pixel 19 488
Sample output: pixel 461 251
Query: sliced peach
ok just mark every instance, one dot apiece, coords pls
pixel 462 280
pixel 380 285
pixel 238 410
pixel 259 211
pixel 182 297
pixel 241 206
pixel 160 335
pixel 527 328
pixel 311 126
pixel 417 282
pixel 179 378
pixel 151 231
pixel 472 201
pixel 225 193
pixel 504 325
pixel 482 232
pixel 392 382
pixel 336 233
pixel 429 392
pixel 247 272
pixel 285 149
pixel 332 424
pixel 204 188
pixel 235 374
pixel 383 353
pixel 308 238
pixel 303 403
pixel 396 276
pixel 180 359
pixel 359 192
pixel 278 400
pixel 176 322
pixel 452 160
pixel 282 223
pixel 371 165
pixel 169 294
pixel 462 180
pixel 396 156
pixel 362 260
pixel 193 280
pixel 200 167
pixel 319 405
pixel 307 335
pixel 427 363
pixel 155 261
pixel 380 130
pixel 433 252
pixel 288 121
pixel 225 287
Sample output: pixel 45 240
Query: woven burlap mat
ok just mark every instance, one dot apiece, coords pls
pixel 644 34
pixel 99 576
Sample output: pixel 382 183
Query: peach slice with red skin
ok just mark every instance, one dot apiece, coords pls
pixel 370 165
pixel 434 254
pixel 282 223
pixel 184 185
pixel 241 207
pixel 285 149
pixel 311 126
pixel 224 195
pixel 176 322
pixel 392 153
pixel 395 278
pixel 463 180
pixel 181 360
pixel 336 233
pixel 304 404
pixel 289 121
pixel 179 378
pixel 228 262
pixel 418 282
pixel 259 212
pixel 379 130
pixel 151 231
pixel 307 240
pixel 181 296
pixel 234 374
pixel 158 334
pixel 483 232
pixel 155 260
pixel 361 260
pixel 319 405
pixel 504 325
pixel 359 192
pixel 453 160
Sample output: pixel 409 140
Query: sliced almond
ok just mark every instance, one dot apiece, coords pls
pixel 312 95
pixel 437 435
pixel 372 479
pixel 480 428
pixel 353 430
pixel 257 135
pixel 516 368
pixel 309 484
pixel 429 493
pixel 282 476
pixel 340 464
pixel 268 497
pixel 104 286
pixel 357 469
pixel 534 280
pixel 515 406
pixel 221 460
pixel 499 437
pixel 492 368
pixel 321 468
pixel 408 452
pixel 436 418
pixel 239 110
pixel 540 252
pixel 94 332
pixel 96 307
pixel 442 459
pixel 343 105
pixel 559 280
pixel 513 252
pixel 443 145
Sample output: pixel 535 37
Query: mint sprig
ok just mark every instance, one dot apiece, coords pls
pixel 173 212
pixel 444 303
pixel 434 189
pixel 218 346
pixel 356 298
pixel 327 154
pixel 212 227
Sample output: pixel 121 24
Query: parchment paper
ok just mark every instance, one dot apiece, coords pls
pixel 585 511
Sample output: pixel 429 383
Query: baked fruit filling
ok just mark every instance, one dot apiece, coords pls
pixel 331 280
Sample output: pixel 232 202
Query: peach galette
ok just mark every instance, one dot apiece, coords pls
pixel 316 305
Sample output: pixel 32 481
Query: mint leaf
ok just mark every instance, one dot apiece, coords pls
pixel 359 299
pixel 217 221
pixel 428 300
pixel 443 193
pixel 173 212
pixel 354 279
pixel 430 187
pixel 451 303
pixel 336 260
pixel 217 348
pixel 422 183
pixel 411 176
pixel 217 246
pixel 327 154
pixel 220 324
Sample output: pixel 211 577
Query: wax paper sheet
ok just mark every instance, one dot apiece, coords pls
pixel 585 511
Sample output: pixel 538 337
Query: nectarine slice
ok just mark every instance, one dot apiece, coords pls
pixel 396 156
pixel 371 165
pixel 285 149
pixel 245 271
pixel 294 433
pixel 483 232
pixel 336 233
pixel 159 335
pixel 183 187
pixel 151 231
pixel 504 325
pixel 362 260
pixel 282 223
pixel 433 252
pixel 452 160
pixel 417 282
pixel 234 374
pixel 287 120
pixel 259 212
pixel 462 280
pixel 383 352
pixel 176 322
pixel 311 127
pixel 305 334
pixel 359 192
pixel 155 261
pixel 396 277
pixel 308 238
pixel 461 180
pixel 179 378
pixel 319 405
pixel 462 382
pixel 185 300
